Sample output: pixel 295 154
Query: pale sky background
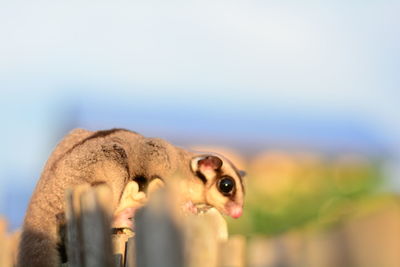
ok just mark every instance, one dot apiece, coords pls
pixel 240 72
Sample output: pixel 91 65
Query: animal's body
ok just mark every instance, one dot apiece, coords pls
pixel 116 157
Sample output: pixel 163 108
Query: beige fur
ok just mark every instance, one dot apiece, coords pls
pixel 114 157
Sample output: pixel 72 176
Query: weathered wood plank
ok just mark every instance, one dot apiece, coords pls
pixel 73 235
pixel 233 252
pixel 5 257
pixel 203 234
pixel 261 253
pixel 159 242
pixel 95 230
pixel 130 253
pixel 119 245
pixel 117 260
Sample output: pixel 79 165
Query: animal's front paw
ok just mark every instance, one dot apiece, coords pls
pixel 189 207
pixel 124 219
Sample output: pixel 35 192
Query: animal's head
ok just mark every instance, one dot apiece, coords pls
pixel 223 183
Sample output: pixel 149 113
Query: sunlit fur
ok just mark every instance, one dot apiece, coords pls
pixel 112 157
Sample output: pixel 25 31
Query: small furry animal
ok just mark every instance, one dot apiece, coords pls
pixel 116 157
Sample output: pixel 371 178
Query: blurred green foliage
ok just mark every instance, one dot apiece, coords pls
pixel 289 191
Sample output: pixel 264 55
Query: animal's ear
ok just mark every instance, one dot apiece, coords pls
pixel 206 165
pixel 242 173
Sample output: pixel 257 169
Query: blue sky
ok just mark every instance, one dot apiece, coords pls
pixel 260 71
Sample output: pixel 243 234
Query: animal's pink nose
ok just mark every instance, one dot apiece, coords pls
pixel 236 213
pixel 234 210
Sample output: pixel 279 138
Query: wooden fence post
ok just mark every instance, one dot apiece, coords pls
pixel 95 224
pixel 203 234
pixel 88 227
pixel 261 253
pixel 119 243
pixel 233 252
pixel 130 253
pixel 158 239
pixel 73 231
pixel 5 255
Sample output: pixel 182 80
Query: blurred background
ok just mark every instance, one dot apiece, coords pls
pixel 304 96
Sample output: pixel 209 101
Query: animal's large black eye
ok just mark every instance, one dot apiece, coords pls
pixel 226 185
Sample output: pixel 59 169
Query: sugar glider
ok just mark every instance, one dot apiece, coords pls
pixel 116 157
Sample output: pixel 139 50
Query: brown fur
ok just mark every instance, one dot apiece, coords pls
pixel 114 157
